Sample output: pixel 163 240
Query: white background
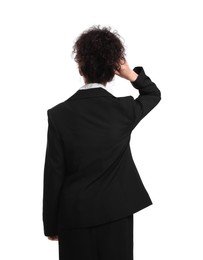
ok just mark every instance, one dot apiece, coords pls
pixel 37 72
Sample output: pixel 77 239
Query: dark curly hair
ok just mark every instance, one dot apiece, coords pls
pixel 98 53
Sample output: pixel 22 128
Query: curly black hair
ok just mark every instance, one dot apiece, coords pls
pixel 98 53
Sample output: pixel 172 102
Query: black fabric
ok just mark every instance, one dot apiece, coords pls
pixel 90 177
pixel 113 240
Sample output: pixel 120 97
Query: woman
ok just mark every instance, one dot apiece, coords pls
pixel 91 185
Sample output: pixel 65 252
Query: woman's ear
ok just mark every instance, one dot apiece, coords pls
pixel 80 71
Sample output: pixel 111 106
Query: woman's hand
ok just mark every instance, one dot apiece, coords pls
pixel 53 237
pixel 125 71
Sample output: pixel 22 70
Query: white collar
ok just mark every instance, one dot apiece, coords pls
pixel 92 85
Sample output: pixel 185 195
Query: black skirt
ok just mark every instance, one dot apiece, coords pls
pixel 112 240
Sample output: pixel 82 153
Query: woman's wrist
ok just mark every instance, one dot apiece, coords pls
pixel 132 75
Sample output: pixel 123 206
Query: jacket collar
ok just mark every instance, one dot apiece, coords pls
pixel 92 85
pixel 91 92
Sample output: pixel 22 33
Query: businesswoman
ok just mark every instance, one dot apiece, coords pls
pixel 92 187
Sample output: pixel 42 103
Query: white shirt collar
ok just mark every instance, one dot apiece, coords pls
pixel 92 85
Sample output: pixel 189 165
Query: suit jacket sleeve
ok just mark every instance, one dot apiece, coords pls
pixel 149 95
pixel 53 177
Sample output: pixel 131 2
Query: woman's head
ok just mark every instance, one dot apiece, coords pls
pixel 98 54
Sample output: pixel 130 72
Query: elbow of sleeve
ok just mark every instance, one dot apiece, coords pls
pixel 158 95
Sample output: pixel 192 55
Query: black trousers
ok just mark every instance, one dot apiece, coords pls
pixel 109 241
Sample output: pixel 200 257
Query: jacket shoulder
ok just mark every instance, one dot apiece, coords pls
pixel 124 99
pixel 56 108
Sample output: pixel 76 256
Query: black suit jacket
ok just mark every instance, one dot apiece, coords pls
pixel 90 177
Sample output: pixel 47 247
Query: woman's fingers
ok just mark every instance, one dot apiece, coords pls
pixel 117 72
